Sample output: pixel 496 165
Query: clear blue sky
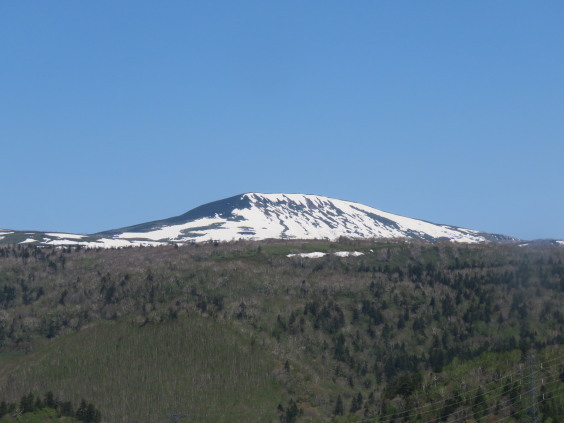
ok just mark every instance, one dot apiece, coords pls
pixel 119 112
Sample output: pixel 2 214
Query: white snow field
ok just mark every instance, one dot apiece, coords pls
pixel 301 216
pixel 256 216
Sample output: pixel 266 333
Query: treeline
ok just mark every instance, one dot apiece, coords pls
pixel 30 404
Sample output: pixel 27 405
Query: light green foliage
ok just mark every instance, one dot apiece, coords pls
pixel 41 416
pixel 191 365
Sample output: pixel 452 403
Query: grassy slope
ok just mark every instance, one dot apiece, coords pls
pixel 190 365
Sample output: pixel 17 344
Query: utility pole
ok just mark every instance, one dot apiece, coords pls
pixel 533 409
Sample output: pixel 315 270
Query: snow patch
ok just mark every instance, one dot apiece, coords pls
pixel 319 254
pixel 28 240
pixel 316 254
pixel 120 243
pixel 348 253
pixel 63 242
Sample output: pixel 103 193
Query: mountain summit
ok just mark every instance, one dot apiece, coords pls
pixel 255 216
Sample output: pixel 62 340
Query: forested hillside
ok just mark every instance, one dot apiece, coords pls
pixel 240 332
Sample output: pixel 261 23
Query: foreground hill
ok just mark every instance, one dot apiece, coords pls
pixel 286 331
pixel 257 216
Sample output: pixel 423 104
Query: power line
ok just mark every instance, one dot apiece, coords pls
pixel 412 411
pixel 508 404
pixel 442 402
pixel 476 389
pixel 523 409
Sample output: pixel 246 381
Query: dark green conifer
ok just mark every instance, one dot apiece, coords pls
pixel 339 408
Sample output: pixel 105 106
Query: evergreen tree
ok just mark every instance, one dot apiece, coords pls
pixel 356 403
pixel 38 404
pixel 92 415
pixel 26 403
pixel 292 411
pixel 479 405
pixel 66 409
pixel 81 411
pixel 49 401
pixel 339 408
pixel 3 409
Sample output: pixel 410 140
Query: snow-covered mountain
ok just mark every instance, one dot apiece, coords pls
pixel 255 216
pixel 291 216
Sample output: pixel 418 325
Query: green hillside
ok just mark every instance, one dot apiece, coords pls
pixel 191 364
pixel 239 332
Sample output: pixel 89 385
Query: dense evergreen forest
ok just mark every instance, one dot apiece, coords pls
pixel 31 409
pixel 240 332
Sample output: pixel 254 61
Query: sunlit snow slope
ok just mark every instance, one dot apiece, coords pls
pixel 291 216
pixel 256 216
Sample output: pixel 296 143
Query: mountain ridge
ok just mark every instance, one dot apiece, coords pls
pixel 259 216
pixel 294 216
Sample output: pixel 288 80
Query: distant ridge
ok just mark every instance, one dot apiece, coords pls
pixel 256 216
